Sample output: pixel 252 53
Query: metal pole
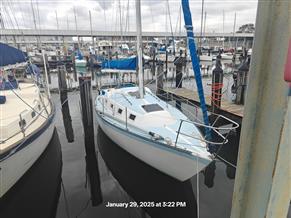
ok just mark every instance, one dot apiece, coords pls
pixel 46 74
pixel 233 31
pixel 201 27
pixel 223 17
pixel 139 48
pixel 262 185
pixel 91 29
pixel 126 118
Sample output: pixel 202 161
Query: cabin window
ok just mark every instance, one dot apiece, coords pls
pixel 39 107
pixel 152 107
pixel 132 117
pixel 111 105
pixel 119 111
pixel 32 114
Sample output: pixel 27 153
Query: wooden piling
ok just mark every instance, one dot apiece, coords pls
pixel 262 183
pixel 65 105
pixel 74 66
pixel 159 79
pixel 48 69
pixel 88 125
pixel 216 87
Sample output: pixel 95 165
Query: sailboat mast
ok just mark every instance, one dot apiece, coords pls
pixel 223 16
pixel 201 26
pixel 139 48
pixel 233 31
pixel 57 20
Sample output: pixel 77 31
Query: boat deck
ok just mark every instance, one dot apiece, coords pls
pixel 30 109
pixel 13 105
pixel 164 122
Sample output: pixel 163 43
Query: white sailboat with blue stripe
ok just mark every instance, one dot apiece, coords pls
pixel 151 129
pixel 148 129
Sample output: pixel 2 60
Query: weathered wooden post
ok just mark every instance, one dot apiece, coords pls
pixel 74 66
pixel 154 63
pixel 48 69
pixel 166 65
pixel 241 80
pixel 88 125
pixel 65 105
pixel 159 79
pixel 216 87
pixel 262 183
pixel 91 65
pixel 179 72
pixel 179 62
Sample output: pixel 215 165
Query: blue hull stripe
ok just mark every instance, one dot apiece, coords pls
pixel 156 143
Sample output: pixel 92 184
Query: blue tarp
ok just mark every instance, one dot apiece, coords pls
pixel 120 64
pixel 10 55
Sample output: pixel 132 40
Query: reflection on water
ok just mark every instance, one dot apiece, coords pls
pixel 36 194
pixel 122 178
pixel 146 184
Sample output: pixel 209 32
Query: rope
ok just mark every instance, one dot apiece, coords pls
pixel 216 93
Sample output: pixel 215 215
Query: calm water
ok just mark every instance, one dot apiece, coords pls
pixel 58 185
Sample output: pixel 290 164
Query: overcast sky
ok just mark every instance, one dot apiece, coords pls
pixel 106 14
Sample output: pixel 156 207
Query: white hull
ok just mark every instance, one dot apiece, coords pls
pixel 226 57
pixel 15 166
pixel 205 58
pixel 176 164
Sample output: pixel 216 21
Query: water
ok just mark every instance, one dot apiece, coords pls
pixel 57 185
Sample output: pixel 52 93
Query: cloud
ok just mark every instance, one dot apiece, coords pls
pixel 106 14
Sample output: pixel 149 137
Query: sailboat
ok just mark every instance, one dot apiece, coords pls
pixel 26 122
pixel 149 128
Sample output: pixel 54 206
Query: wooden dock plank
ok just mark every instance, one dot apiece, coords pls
pixel 193 95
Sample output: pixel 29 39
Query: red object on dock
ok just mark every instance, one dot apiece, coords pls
pixel 287 75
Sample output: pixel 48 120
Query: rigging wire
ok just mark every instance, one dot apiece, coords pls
pixel 171 27
pixel 37 9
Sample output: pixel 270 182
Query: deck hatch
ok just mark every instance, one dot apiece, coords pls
pixel 152 108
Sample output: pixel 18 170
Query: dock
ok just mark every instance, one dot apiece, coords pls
pixel 227 109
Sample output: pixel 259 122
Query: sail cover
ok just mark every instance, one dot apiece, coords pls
pixel 10 55
pixel 195 64
pixel 120 64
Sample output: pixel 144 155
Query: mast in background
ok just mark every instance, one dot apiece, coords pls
pixel 233 31
pixel 201 28
pixel 223 17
